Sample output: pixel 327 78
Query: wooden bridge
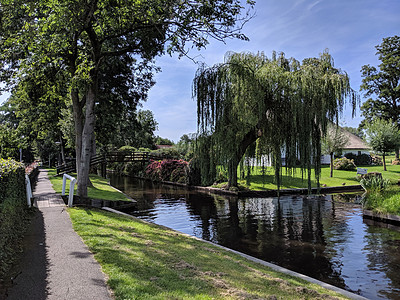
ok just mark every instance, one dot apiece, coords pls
pixel 110 157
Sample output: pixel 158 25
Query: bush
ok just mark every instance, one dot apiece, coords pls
pixel 396 162
pixel 374 183
pixel 359 160
pixel 344 164
pixel 13 212
pixel 127 149
pixel 167 152
pixel 134 169
pixel 168 170
pixel 376 160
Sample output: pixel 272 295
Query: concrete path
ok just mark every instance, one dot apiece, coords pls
pixel 56 264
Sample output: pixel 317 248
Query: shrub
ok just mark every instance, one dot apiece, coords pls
pixel 359 160
pixel 13 212
pixel 344 164
pixel 167 152
pixel 374 183
pixel 168 170
pixel 396 162
pixel 127 149
pixel 376 160
pixel 134 169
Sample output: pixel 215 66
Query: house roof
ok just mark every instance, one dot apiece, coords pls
pixel 354 142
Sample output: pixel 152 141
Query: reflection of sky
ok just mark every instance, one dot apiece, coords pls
pixel 352 258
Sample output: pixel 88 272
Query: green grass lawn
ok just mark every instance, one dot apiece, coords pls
pixel 387 201
pixel 101 189
pixel 146 261
pixel 260 182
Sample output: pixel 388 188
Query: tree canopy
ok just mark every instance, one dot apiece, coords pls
pixel 382 85
pixel 78 38
pixel 276 107
pixel 383 136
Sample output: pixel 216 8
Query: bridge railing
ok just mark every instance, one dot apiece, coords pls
pixel 114 156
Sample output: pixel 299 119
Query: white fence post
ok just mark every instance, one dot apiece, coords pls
pixel 28 190
pixel 71 188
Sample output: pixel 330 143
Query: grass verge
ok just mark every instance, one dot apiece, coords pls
pixel 387 201
pixel 101 188
pixel 257 181
pixel 146 261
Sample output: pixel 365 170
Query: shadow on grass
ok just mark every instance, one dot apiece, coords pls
pixel 145 261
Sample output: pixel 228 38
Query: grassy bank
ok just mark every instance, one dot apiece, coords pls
pixel 144 261
pixel 265 182
pixel 101 189
pixel 387 201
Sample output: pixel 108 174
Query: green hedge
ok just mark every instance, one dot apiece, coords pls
pixel 13 212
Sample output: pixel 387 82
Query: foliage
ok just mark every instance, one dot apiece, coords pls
pixel 396 162
pixel 127 148
pixel 333 142
pixel 376 160
pixel 163 141
pixel 13 212
pixel 344 163
pixel 185 146
pixel 280 106
pixel 383 85
pixel 374 183
pixel 166 152
pixel 386 201
pixel 360 160
pixel 82 38
pixel 168 170
pixel 383 136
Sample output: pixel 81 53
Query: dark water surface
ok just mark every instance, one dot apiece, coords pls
pixel 324 239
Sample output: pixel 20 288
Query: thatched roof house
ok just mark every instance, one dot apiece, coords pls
pixel 355 144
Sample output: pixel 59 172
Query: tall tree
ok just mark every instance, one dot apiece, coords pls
pixel 383 84
pixel 80 36
pixel 332 142
pixel 280 103
pixel 383 136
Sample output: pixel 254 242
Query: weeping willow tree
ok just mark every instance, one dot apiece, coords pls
pixel 274 107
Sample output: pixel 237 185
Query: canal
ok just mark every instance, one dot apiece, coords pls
pixel 323 237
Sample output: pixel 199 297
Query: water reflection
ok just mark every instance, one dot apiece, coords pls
pixel 324 239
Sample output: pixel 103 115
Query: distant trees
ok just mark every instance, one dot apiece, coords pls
pixel 383 84
pixel 383 136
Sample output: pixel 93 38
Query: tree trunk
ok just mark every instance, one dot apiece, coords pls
pixel 397 152
pixel 233 164
pixel 87 140
pixel 384 162
pixel 78 120
pixel 331 154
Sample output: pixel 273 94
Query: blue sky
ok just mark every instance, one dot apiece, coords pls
pixel 350 29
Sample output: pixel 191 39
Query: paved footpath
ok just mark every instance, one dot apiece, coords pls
pixel 56 264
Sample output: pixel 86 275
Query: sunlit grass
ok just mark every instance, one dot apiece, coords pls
pixel 387 201
pixel 101 189
pixel 146 261
pixel 257 181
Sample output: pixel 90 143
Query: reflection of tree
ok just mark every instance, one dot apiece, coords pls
pixel 383 248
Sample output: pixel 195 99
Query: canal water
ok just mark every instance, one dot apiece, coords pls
pixel 323 237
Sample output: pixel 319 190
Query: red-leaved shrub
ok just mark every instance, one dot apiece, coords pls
pixel 175 170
